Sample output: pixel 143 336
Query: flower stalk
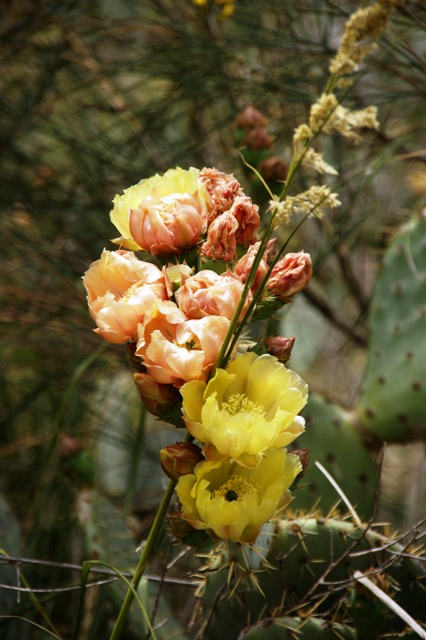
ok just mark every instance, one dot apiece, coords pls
pixel 145 556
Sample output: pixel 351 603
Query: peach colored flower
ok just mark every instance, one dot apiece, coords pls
pixel 120 288
pixel 221 243
pixel 222 188
pixel 175 349
pixel 207 294
pixel 164 215
pixel 290 275
pixel 247 215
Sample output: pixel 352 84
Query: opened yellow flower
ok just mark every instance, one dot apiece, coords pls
pixel 233 502
pixel 245 409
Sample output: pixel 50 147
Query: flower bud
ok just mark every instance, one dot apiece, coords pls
pixel 245 263
pixel 290 275
pixel 273 169
pixel 175 276
pixel 303 455
pixel 279 347
pixel 250 118
pixel 257 139
pixel 158 398
pixel 179 459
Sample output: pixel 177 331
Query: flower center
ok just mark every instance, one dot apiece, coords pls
pixel 130 291
pixel 235 488
pixel 239 403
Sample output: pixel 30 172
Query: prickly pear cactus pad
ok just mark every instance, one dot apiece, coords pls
pixel 334 441
pixel 310 560
pixel 393 399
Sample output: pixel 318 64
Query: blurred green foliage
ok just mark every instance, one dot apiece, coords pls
pixel 94 97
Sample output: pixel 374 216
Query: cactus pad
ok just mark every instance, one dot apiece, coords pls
pixel 336 444
pixel 392 406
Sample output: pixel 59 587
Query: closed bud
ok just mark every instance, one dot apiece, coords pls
pixel 279 347
pixel 158 398
pixel 250 118
pixel 303 455
pixel 273 169
pixel 257 139
pixel 179 459
pixel 290 275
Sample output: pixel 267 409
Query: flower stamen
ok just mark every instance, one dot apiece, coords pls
pixel 240 403
pixel 235 488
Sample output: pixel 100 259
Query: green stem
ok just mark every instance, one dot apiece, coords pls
pixel 223 356
pixel 137 446
pixel 143 560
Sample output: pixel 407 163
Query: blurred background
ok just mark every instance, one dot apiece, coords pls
pixel 95 96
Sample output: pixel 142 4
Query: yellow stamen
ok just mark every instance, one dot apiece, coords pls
pixel 235 488
pixel 130 291
pixel 239 403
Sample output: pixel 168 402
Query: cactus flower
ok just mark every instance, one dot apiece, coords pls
pixel 164 215
pixel 233 502
pixel 207 293
pixel 175 349
pixel 120 289
pixel 222 188
pixel 245 409
pixel 221 243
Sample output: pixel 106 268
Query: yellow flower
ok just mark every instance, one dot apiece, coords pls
pixel 233 502
pixel 245 409
pixel 163 214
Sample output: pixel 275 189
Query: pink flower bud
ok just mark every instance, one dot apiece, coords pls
pixel 290 275
pixel 179 459
pixel 303 455
pixel 279 347
pixel 250 118
pixel 273 169
pixel 257 139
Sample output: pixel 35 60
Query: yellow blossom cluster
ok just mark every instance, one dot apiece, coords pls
pixel 244 417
